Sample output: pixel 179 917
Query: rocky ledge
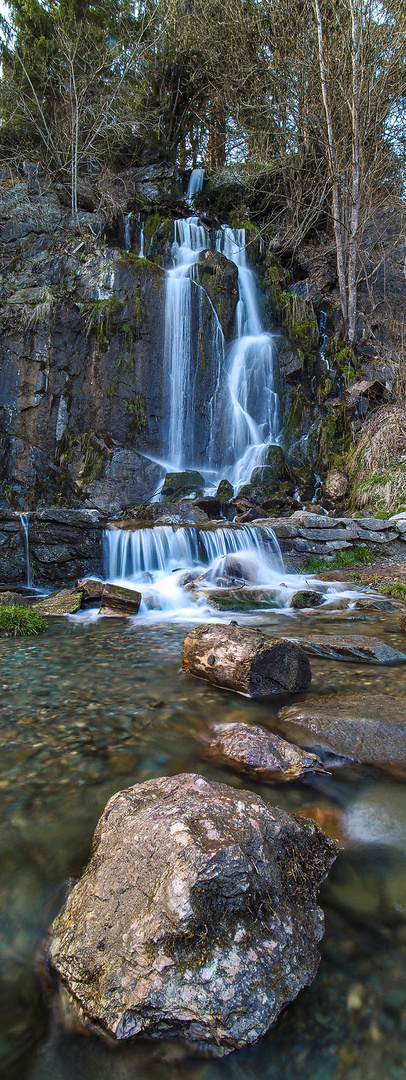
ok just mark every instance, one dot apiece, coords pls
pixel 195 917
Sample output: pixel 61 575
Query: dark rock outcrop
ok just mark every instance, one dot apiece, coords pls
pixel 196 915
pixel 63 544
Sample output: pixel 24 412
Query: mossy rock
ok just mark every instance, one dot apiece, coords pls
pixel 181 484
pixel 275 460
pixel 225 491
pixel 243 599
pixel 63 602
pixel 306 598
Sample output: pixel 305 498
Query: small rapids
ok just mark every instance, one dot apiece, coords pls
pixel 186 571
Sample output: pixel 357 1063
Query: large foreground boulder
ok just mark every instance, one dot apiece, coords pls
pixel 196 916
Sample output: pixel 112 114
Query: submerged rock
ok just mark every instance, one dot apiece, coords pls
pixel 195 917
pixel 251 749
pixel 64 602
pixel 352 647
pixel 241 598
pixel 365 727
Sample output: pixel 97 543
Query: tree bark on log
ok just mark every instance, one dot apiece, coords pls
pixel 245 660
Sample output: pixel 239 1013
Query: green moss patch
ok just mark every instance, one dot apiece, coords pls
pixel 351 557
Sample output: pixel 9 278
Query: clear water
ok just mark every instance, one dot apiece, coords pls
pixel 88 709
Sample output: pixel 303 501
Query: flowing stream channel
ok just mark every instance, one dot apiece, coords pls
pixel 88 709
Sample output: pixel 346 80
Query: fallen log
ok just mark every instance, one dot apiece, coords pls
pixel 245 660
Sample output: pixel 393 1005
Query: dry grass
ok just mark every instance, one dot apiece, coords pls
pixel 377 464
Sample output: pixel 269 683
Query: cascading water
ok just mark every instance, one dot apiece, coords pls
pixel 127 231
pixel 180 570
pixel 255 420
pixel 141 254
pixel 195 183
pixel 24 518
pixel 243 409
pixel 183 318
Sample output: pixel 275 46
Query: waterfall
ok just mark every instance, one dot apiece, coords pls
pixel 141 254
pixel 254 413
pixel 24 518
pixel 195 183
pixel 129 553
pixel 127 231
pixel 181 344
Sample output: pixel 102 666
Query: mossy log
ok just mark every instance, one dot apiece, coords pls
pixel 245 660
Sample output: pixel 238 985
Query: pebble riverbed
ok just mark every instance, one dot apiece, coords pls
pixel 91 707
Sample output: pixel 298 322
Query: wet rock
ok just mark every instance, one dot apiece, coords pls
pixel 402 623
pixel 335 485
pixel 116 600
pixel 256 752
pixel 240 598
pixel 90 588
pixel 352 647
pixel 181 484
pixel 224 491
pixel 365 727
pixel 9 598
pixel 245 660
pixel 306 598
pixel 128 477
pixel 195 917
pixel 64 602
pixel 182 513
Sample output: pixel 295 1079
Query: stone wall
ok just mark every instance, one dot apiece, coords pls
pixel 63 544
pixel 305 534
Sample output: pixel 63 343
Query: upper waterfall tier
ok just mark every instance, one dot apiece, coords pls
pixel 242 412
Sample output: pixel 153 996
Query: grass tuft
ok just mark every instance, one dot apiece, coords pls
pixel 16 620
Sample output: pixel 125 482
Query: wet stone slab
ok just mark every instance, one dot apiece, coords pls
pixel 365 727
pixel 351 647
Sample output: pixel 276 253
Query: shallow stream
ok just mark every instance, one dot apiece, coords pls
pixel 91 707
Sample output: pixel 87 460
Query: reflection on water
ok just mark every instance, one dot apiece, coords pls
pixel 90 708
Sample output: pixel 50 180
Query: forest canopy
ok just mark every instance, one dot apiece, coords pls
pixel 308 96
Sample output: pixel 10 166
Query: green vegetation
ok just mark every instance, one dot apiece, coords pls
pixel 397 590
pixel 93 458
pixel 136 408
pixel 17 620
pixel 102 316
pixel 360 553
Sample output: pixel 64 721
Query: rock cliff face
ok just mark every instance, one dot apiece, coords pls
pixel 84 391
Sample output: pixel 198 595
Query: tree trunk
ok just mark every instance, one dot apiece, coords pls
pixel 245 660
pixel 355 186
pixel 331 154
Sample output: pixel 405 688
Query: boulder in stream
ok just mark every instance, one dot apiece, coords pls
pixel 245 660
pixel 91 589
pixel 196 916
pixel 365 727
pixel 116 600
pixel 64 602
pixel 306 598
pixel 256 752
pixel 351 647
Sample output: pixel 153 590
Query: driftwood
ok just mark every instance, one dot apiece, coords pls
pixel 245 660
